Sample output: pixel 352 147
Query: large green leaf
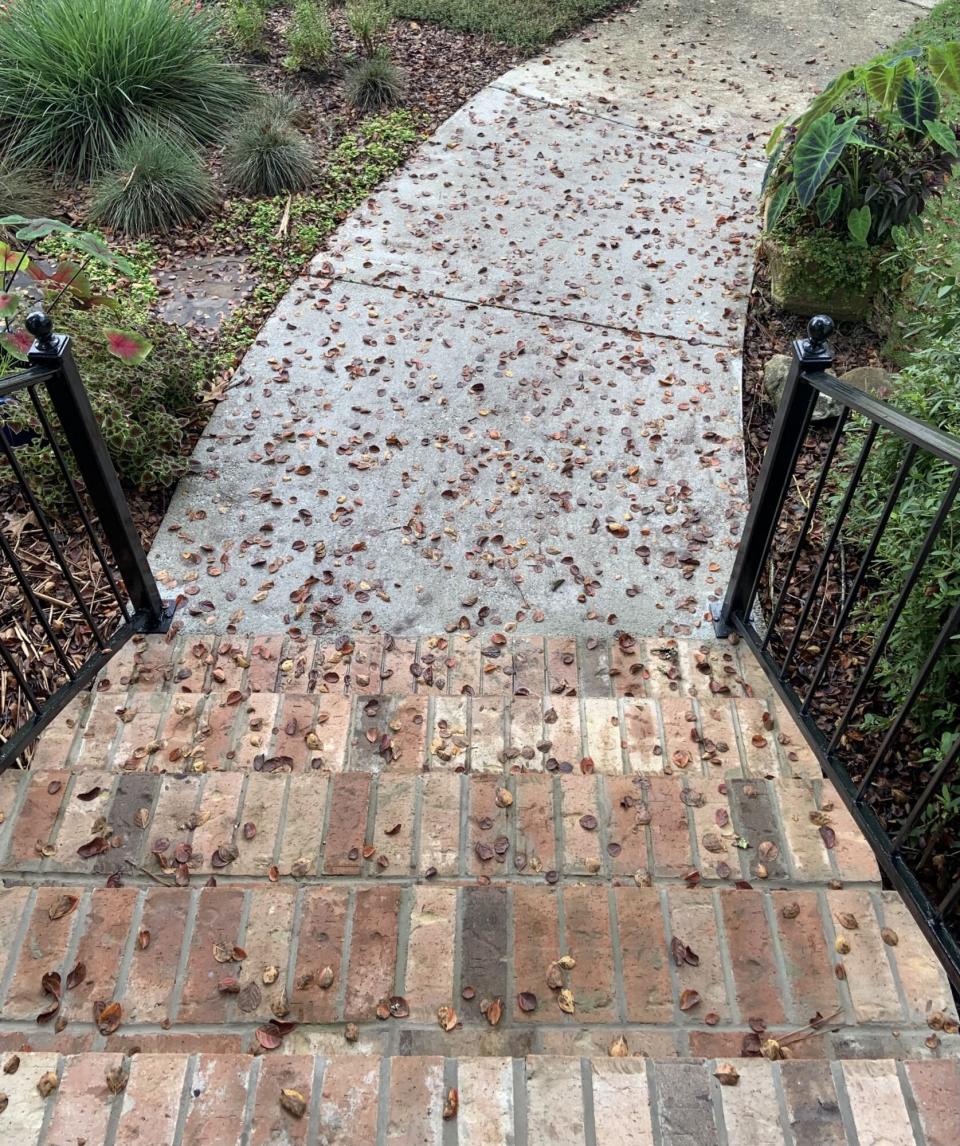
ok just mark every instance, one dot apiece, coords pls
pixel 918 101
pixel 816 153
pixel 778 202
pixel 829 97
pixel 827 203
pixel 940 133
pixel 944 61
pixel 883 80
pixel 858 224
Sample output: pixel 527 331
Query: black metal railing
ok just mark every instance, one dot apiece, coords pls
pixel 75 585
pixel 799 597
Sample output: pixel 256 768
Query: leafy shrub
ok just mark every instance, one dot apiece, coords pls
pixel 23 189
pixel 368 20
pixel 158 182
pixel 265 155
pixel 244 21
pixel 309 37
pixel 77 76
pixel 869 151
pixel 374 83
pixel 143 410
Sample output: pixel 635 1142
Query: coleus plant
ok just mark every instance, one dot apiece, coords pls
pixel 69 279
pixel 865 156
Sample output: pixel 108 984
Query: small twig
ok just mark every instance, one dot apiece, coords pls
pixel 284 219
pixel 151 874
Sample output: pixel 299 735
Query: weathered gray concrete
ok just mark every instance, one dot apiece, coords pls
pixel 510 389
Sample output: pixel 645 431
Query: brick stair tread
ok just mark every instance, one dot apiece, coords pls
pixel 438 824
pixel 223 1099
pixel 749 956
pixel 493 664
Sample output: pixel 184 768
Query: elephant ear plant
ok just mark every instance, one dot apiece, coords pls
pixel 852 173
pixel 68 279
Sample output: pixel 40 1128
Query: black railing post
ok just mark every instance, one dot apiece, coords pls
pixel 811 354
pixel 80 427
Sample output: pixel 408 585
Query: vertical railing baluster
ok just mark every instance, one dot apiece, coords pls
pixel 779 462
pixel 69 399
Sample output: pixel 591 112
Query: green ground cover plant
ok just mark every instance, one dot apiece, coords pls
pixel 527 24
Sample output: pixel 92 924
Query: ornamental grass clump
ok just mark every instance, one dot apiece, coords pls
pixel 374 83
pixel 266 155
pixel 78 77
pixel 158 182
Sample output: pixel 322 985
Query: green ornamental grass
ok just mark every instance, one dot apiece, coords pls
pixel 309 37
pixel 158 182
pixel 374 83
pixel 78 76
pixel 265 155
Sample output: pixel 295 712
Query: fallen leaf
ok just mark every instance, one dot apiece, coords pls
pixel 451 1104
pixel 47 1084
pixel 293 1102
pixel 726 1074
pixel 494 1012
pixel 848 919
pixel 63 906
pixel 889 936
pixel 689 998
pixel 527 1001
pixel 567 962
pixel 107 1016
pixel 4 1102
pixel 95 847
pixel 399 1007
pixel 76 976
pixel 447 1018
pixel 325 978
pixel 566 1002
pixel 772 1050
pixel 619 1048
pixel 249 998
pixel 12 1065
pixel 351 1032
pixel 117 1079
pixel 554 977
pixel 841 945
pixel 829 837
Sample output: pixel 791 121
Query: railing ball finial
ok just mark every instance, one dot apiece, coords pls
pixel 819 329
pixel 40 325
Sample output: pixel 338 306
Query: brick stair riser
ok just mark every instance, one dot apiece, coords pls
pixel 762 955
pixel 224 1099
pixel 441 825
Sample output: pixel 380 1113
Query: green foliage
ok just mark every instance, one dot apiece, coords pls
pixel 78 76
pixel 142 411
pixel 355 166
pixel 309 37
pixel 158 181
pixel 868 153
pixel 244 22
pixel 368 20
pixel 265 155
pixel 374 83
pixel 829 260
pixel 527 24
pixel 24 190
pixel 928 390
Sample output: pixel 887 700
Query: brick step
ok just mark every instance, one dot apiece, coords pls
pixel 161 730
pixel 227 1099
pixel 477 664
pixel 438 825
pixel 321 956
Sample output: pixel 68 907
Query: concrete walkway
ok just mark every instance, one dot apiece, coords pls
pixel 510 391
